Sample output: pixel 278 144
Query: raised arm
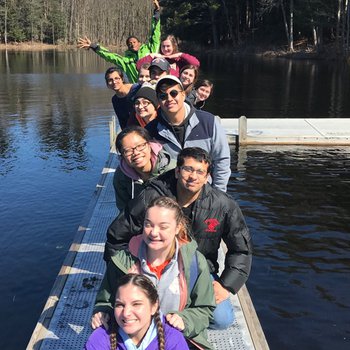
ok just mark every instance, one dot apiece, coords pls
pixel 154 40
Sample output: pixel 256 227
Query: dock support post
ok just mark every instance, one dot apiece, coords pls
pixel 112 132
pixel 242 129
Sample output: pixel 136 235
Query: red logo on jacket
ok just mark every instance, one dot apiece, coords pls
pixel 211 223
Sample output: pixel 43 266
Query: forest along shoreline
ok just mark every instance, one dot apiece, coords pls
pixel 329 52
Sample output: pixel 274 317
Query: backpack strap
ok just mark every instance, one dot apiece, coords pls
pixel 193 270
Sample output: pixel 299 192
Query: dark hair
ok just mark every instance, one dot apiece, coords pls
pixel 132 37
pixel 197 153
pixel 148 288
pixel 144 66
pixel 196 73
pixel 173 41
pixel 167 83
pixel 205 82
pixel 181 219
pixel 110 70
pixel 142 132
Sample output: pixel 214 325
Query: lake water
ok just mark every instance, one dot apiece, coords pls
pixel 54 110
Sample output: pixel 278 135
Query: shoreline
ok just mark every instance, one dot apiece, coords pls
pixel 328 52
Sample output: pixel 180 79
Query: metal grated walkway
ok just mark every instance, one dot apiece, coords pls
pixel 65 321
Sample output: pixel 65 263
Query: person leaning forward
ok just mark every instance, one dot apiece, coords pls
pixel 213 214
pixel 179 125
pixel 136 49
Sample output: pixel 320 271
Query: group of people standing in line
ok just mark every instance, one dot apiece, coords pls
pixel 162 288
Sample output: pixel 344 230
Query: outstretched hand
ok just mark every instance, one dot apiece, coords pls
pixel 156 5
pixel 84 43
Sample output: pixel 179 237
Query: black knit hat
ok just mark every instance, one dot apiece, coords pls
pixel 147 91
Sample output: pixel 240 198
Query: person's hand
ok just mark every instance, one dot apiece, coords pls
pixel 155 55
pixel 220 292
pixel 156 5
pixel 175 55
pixel 99 319
pixel 84 43
pixel 176 321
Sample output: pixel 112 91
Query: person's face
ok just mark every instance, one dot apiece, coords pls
pixel 133 311
pixel 114 81
pixel 143 76
pixel 136 151
pixel 156 73
pixel 203 92
pixel 159 230
pixel 171 99
pixel 144 108
pixel 187 77
pixel 192 175
pixel 166 47
pixel 133 44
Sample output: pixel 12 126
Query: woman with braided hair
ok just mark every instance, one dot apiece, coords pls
pixel 137 321
pixel 166 254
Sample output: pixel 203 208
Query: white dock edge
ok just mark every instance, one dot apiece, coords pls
pixel 288 131
pixel 65 320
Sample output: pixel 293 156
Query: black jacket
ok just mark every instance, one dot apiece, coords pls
pixel 215 216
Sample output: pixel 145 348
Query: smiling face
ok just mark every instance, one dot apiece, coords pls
pixel 144 76
pixel 203 92
pixel 114 81
pixel 156 73
pixel 171 99
pixel 140 159
pixel 166 47
pixel 159 230
pixel 187 77
pixel 144 108
pixel 191 176
pixel 133 44
pixel 133 311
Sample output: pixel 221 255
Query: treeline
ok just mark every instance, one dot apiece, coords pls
pixel 213 23
pixel 63 21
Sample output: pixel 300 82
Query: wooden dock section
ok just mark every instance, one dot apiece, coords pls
pixel 65 320
pixel 288 131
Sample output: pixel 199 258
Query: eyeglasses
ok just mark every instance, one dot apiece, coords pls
pixel 164 96
pixel 112 80
pixel 190 170
pixel 141 104
pixel 127 152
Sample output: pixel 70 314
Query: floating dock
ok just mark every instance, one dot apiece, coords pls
pixel 288 131
pixel 65 320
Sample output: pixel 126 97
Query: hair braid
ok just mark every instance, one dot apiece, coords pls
pixel 160 330
pixel 113 334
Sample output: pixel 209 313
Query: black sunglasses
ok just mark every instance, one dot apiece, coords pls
pixel 164 96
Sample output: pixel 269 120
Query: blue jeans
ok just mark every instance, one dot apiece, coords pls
pixel 224 315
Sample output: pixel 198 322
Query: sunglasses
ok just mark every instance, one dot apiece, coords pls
pixel 164 96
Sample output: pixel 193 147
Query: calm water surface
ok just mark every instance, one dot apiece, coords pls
pixel 54 110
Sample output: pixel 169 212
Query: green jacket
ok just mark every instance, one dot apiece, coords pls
pixel 200 303
pixel 128 62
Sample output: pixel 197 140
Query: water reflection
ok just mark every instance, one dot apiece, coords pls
pixel 296 203
pixel 265 87
pixel 53 143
